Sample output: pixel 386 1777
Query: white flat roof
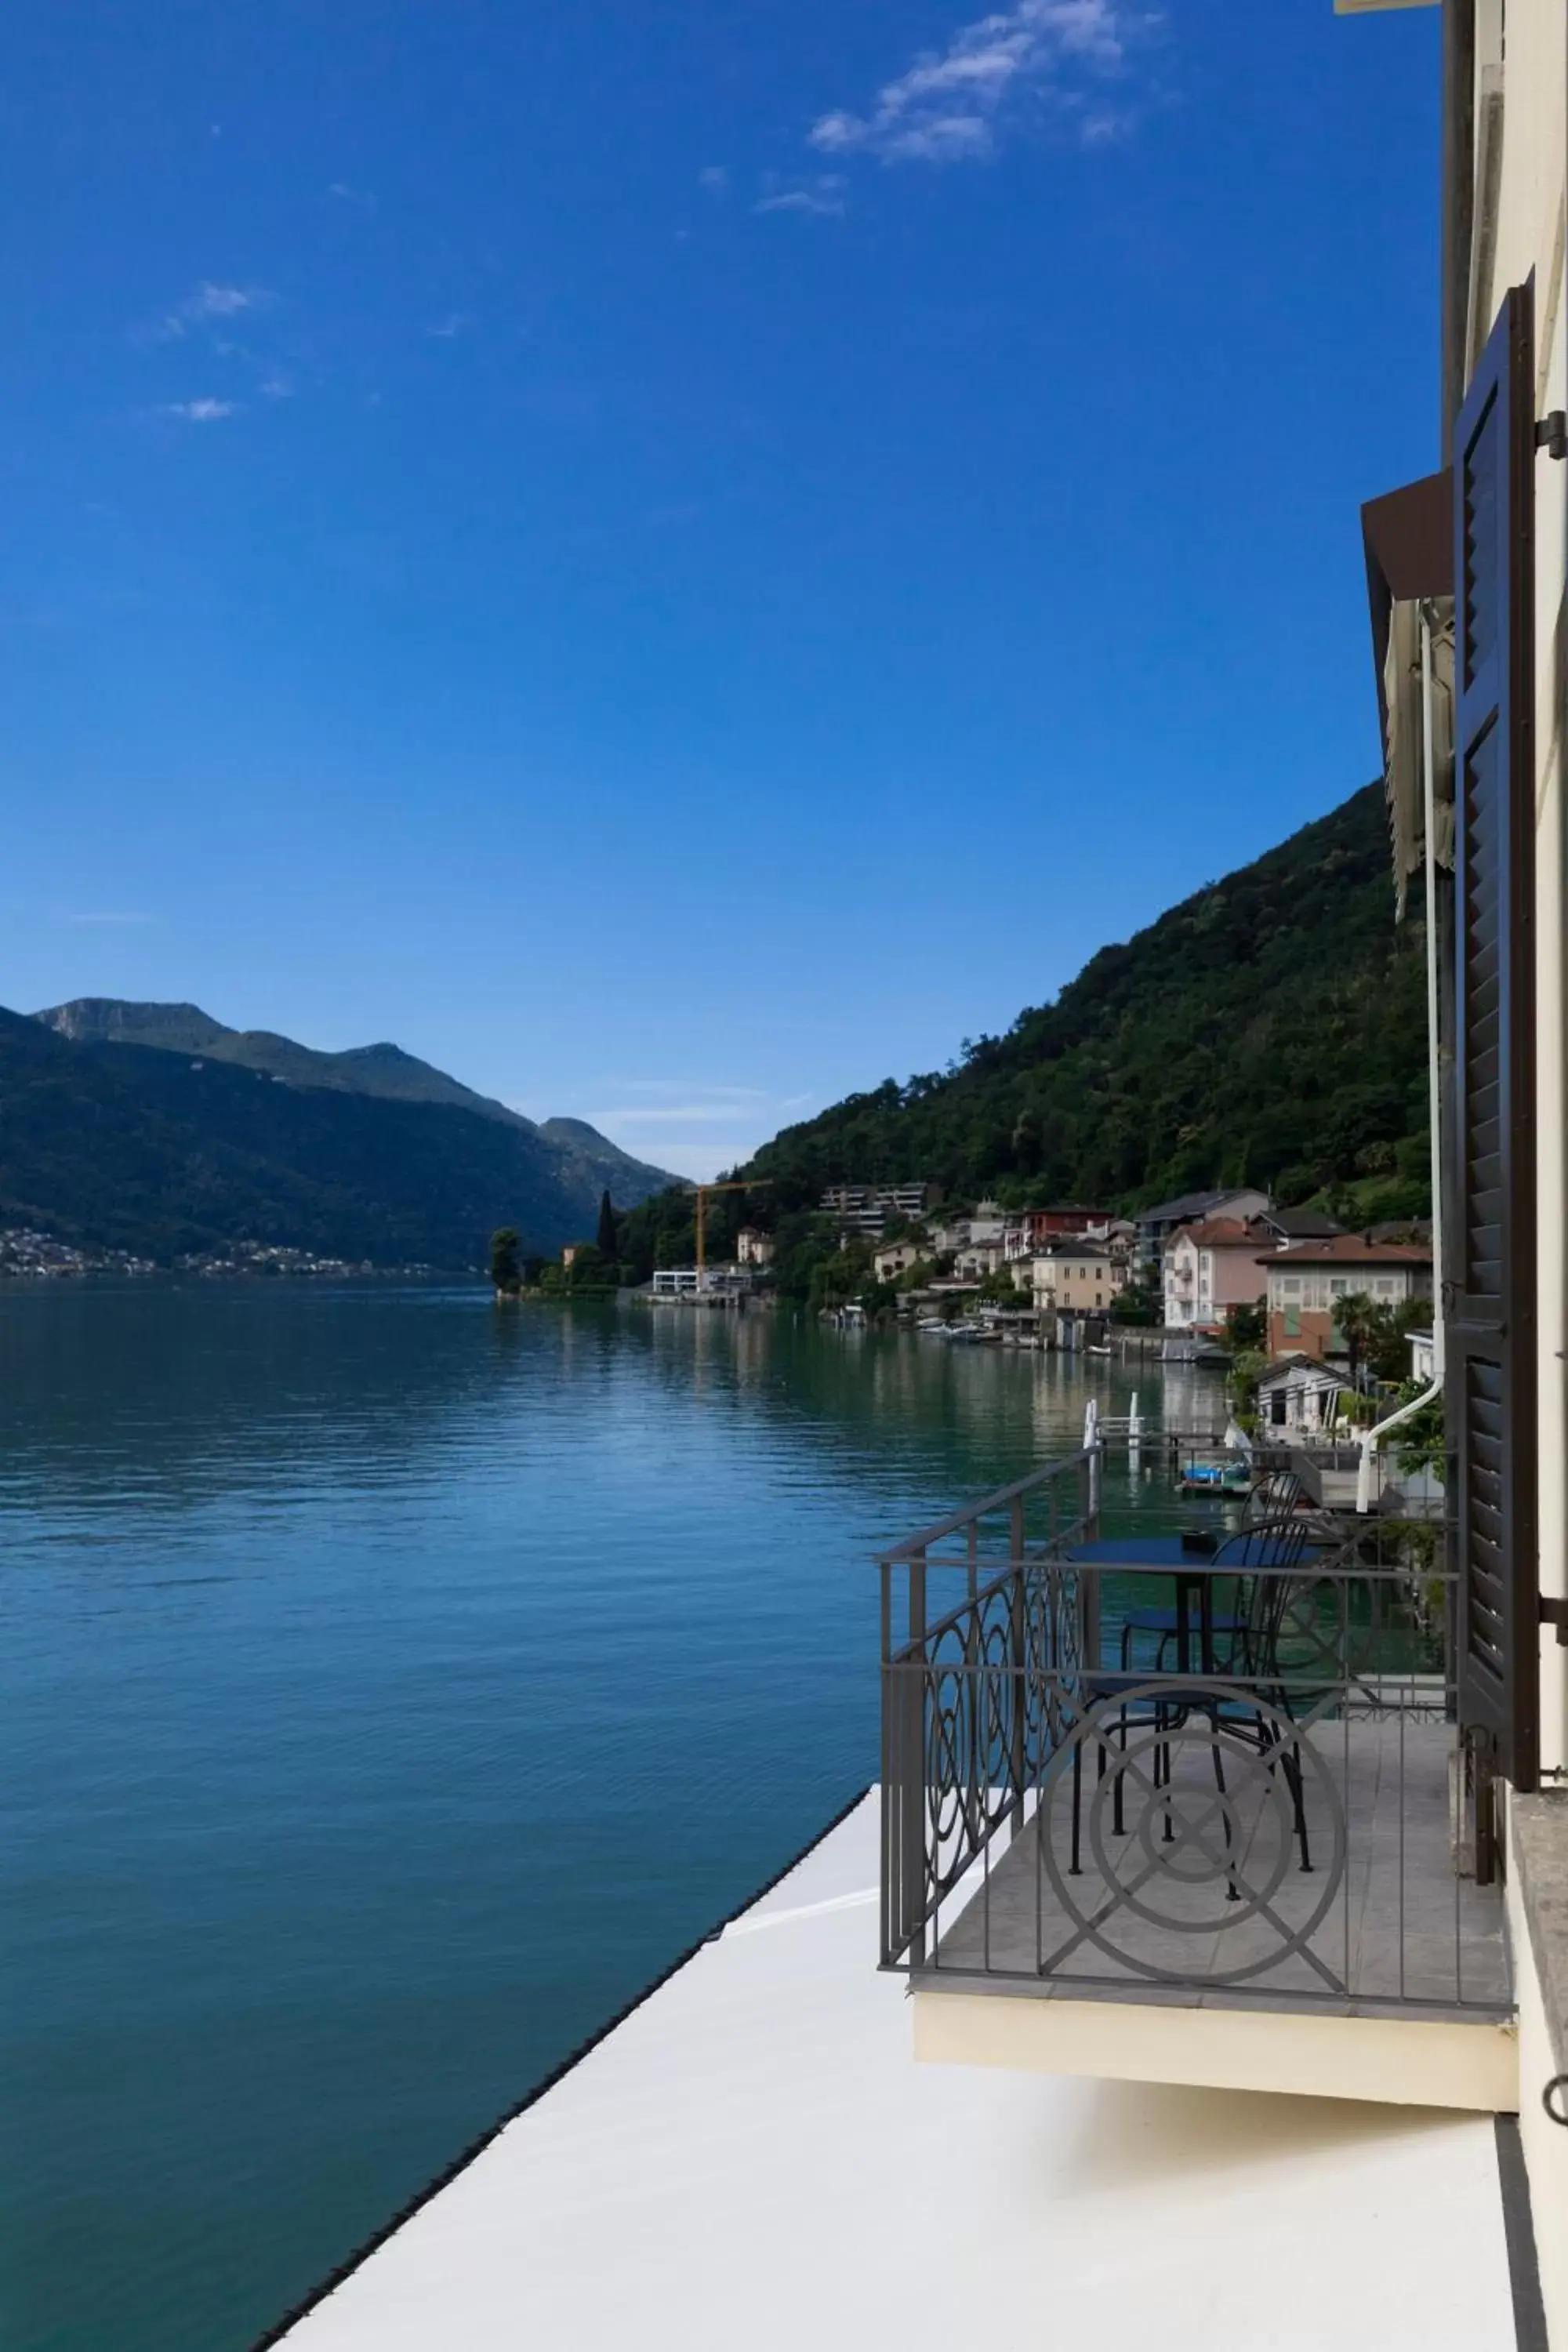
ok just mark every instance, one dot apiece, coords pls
pixel 753 2159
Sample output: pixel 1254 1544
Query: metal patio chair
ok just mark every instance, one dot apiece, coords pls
pixel 1241 1645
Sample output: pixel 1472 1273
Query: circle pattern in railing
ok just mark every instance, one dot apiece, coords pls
pixel 1189 1818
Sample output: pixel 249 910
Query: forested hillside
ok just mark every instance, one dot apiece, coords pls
pixel 1269 1029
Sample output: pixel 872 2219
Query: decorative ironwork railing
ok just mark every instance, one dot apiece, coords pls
pixel 1264 1796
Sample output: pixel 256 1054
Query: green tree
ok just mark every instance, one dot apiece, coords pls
pixel 1246 1369
pixel 1378 1335
pixel 605 1239
pixel 1355 1317
pixel 1139 1304
pixel 506 1260
pixel 1419 1442
pixel 1247 1327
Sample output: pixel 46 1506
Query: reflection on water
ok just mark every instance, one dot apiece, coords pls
pixel 391 1686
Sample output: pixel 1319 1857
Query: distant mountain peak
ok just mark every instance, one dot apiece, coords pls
pixel 588 1162
pixel 113 1020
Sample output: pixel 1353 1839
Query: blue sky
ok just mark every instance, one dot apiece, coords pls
pixel 680 559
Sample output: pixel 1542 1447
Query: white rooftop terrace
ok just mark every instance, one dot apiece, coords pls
pixel 753 2157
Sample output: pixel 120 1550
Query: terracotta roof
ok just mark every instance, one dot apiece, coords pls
pixel 1349 1249
pixel 1218 1232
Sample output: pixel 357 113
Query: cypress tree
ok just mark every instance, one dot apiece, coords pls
pixel 606 1237
pixel 506 1266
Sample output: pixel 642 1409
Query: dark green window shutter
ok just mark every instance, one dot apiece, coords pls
pixel 1489 1244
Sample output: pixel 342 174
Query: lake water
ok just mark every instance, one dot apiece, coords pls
pixel 389 1687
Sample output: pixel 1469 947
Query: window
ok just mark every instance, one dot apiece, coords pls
pixel 1290 1284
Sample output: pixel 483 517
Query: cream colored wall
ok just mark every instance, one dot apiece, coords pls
pixel 1530 237
pixel 1545 2143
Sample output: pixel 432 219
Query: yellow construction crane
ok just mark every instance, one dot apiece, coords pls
pixel 755 1185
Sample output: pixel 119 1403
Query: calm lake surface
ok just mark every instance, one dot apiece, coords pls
pixel 389 1687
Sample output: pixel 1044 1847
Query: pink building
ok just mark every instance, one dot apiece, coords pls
pixel 1211 1267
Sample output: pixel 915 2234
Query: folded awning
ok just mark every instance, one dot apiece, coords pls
pixel 1408 538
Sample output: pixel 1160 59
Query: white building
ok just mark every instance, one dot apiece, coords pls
pixel 1297 1395
pixel 864 1209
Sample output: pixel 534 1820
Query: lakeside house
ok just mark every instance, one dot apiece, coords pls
pixel 976 1261
pixel 1297 1395
pixel 1039 1227
pixel 1077 1277
pixel 895 1258
pixel 1210 1267
pixel 753 1248
pixel 1156 1226
pixel 1306 1281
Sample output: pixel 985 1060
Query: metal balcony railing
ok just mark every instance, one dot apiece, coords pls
pixel 1265 1799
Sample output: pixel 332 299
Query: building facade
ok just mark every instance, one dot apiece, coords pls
pixel 1156 1226
pixel 1211 1267
pixel 865 1209
pixel 1307 1282
pixel 1077 1277
pixel 895 1258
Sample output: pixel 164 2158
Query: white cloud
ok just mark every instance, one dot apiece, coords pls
pixel 821 196
pixel 201 412
pixel 952 105
pixel 446 328
pixel 209 302
pixel 715 179
pixel 109 918
pixel 276 386
pixel 346 195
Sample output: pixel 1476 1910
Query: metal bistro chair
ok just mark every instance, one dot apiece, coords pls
pixel 1273 1496
pixel 1272 1500
pixel 1241 1645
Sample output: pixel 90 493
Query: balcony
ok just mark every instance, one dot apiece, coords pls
pixel 1197 1816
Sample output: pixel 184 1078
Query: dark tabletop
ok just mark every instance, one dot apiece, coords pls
pixel 1235 1556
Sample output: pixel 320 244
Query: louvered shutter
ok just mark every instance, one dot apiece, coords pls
pixel 1490 1290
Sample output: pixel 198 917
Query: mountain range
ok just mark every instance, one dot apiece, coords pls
pixel 1269 1029
pixel 155 1128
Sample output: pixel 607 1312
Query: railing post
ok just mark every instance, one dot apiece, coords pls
pixel 892 1886
pixel 915 1804
pixel 1018 1668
